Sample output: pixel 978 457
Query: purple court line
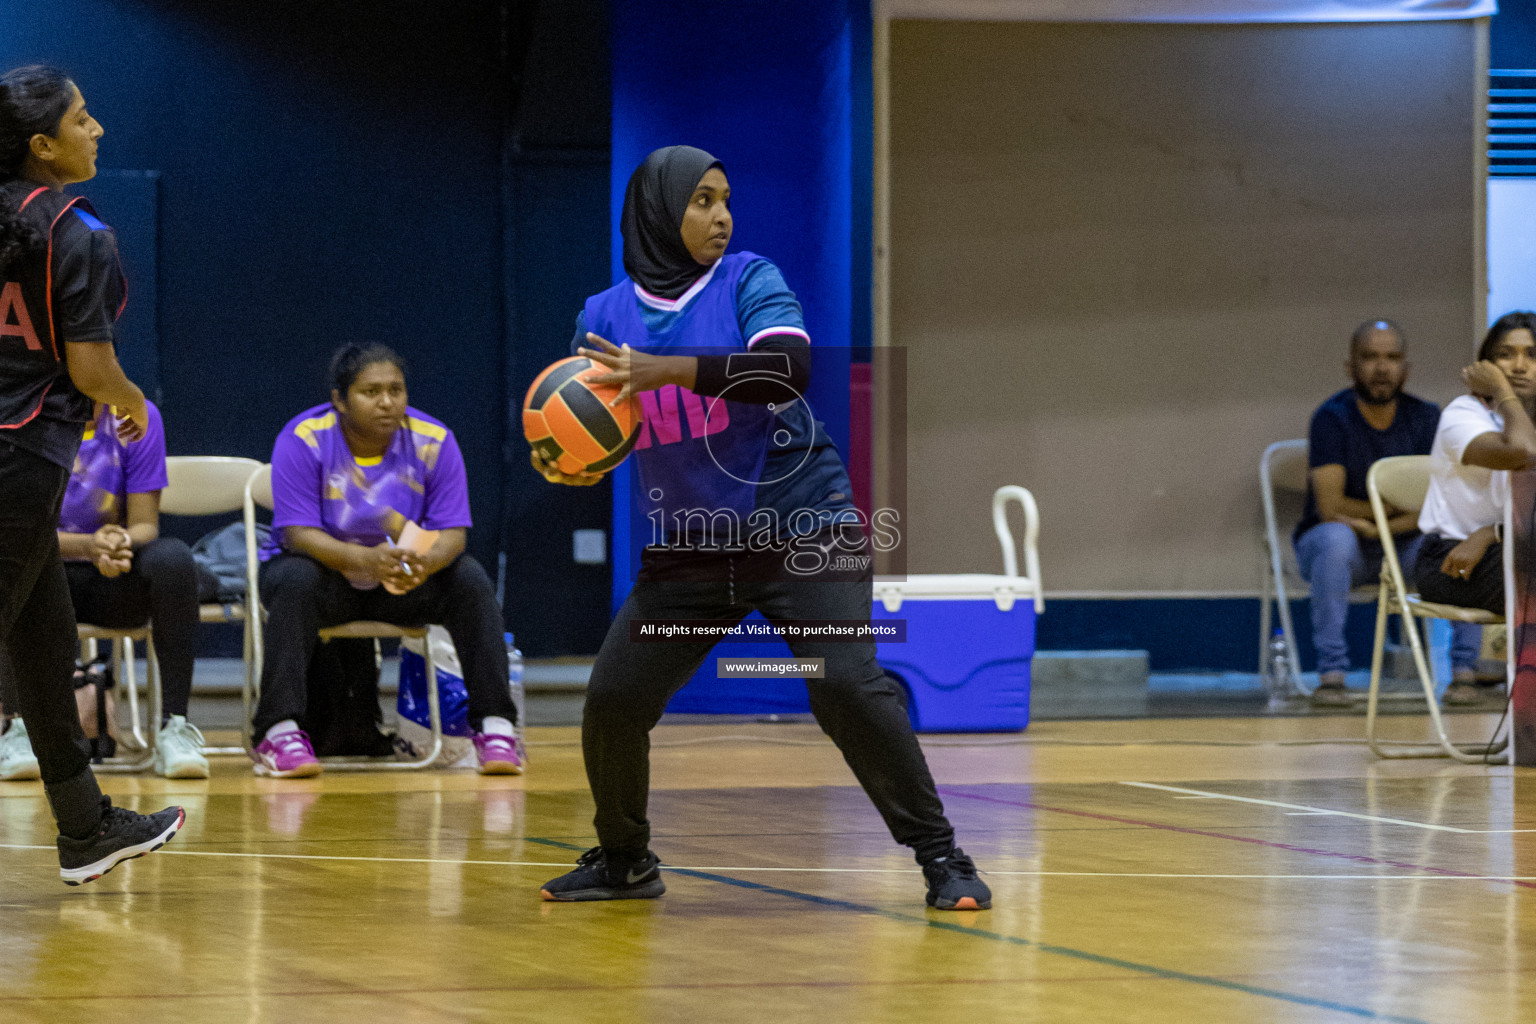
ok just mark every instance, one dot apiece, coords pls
pixel 659 987
pixel 1357 858
pixel 513 990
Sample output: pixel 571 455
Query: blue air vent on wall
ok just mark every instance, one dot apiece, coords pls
pixel 1512 123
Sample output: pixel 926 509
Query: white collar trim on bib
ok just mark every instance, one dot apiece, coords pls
pixel 674 305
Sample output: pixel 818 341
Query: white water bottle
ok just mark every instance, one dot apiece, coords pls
pixel 515 681
pixel 1281 686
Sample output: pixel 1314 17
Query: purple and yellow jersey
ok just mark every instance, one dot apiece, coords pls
pixel 318 482
pixel 106 471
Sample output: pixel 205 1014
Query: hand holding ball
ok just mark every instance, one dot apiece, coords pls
pixel 571 425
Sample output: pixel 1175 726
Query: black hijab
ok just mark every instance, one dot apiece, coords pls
pixel 654 203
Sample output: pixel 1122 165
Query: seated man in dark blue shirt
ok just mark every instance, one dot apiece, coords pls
pixel 1337 543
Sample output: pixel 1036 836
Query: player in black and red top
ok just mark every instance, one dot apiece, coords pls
pixel 61 291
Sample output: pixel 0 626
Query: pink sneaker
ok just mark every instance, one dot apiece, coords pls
pixel 500 755
pixel 286 756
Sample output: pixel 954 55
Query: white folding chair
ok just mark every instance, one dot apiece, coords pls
pixel 197 485
pixel 1282 487
pixel 258 491
pixel 1402 481
pixel 210 485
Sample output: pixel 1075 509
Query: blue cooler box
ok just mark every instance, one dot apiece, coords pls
pixel 965 662
pixel 970 640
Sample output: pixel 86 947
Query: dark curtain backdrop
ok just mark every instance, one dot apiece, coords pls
pixel 329 172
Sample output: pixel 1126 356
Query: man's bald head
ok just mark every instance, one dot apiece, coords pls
pixel 1373 329
pixel 1378 362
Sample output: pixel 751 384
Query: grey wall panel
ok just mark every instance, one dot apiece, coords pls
pixel 1126 258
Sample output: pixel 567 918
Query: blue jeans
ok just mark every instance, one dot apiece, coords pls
pixel 1332 559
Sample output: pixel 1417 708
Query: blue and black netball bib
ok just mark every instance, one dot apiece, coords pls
pixel 699 459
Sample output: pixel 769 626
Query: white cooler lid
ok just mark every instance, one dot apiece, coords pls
pixel 1001 590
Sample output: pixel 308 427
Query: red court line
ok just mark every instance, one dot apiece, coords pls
pixel 1357 858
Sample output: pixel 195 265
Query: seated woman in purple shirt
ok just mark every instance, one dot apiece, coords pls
pixel 122 573
pixel 347 478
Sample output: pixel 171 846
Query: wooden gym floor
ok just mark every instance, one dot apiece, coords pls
pixel 1230 870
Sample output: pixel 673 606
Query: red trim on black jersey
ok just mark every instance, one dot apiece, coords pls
pixel 33 414
pixel 117 254
pixel 53 340
pixel 53 334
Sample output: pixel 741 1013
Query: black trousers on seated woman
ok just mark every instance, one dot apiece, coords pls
pixel 1484 588
pixel 160 588
pixel 303 597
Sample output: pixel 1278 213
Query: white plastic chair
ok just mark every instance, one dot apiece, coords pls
pixel 197 485
pixel 1403 481
pixel 258 491
pixel 1283 468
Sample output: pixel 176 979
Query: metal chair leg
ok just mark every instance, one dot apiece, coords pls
pixel 1378 655
pixel 1467 753
pixel 123 667
pixel 1288 630
pixel 250 693
pixel 131 680
pixel 156 694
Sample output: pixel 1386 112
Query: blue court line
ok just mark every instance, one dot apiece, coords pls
pixel 1014 940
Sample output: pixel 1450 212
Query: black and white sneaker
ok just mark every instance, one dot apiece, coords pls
pixel 600 877
pixel 122 835
pixel 953 885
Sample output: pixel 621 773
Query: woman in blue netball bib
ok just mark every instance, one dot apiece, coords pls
pixel 60 295
pixel 745 494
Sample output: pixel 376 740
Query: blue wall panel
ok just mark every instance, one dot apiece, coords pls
pixel 1512 35
pixel 130 202
pixel 1189 634
pixel 779 92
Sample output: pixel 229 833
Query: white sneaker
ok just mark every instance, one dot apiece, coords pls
pixel 17 762
pixel 179 750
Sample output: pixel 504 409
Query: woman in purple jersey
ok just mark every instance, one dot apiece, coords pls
pixel 60 295
pixel 693 319
pixel 350 478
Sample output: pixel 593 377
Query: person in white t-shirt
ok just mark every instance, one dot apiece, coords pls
pixel 1480 437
